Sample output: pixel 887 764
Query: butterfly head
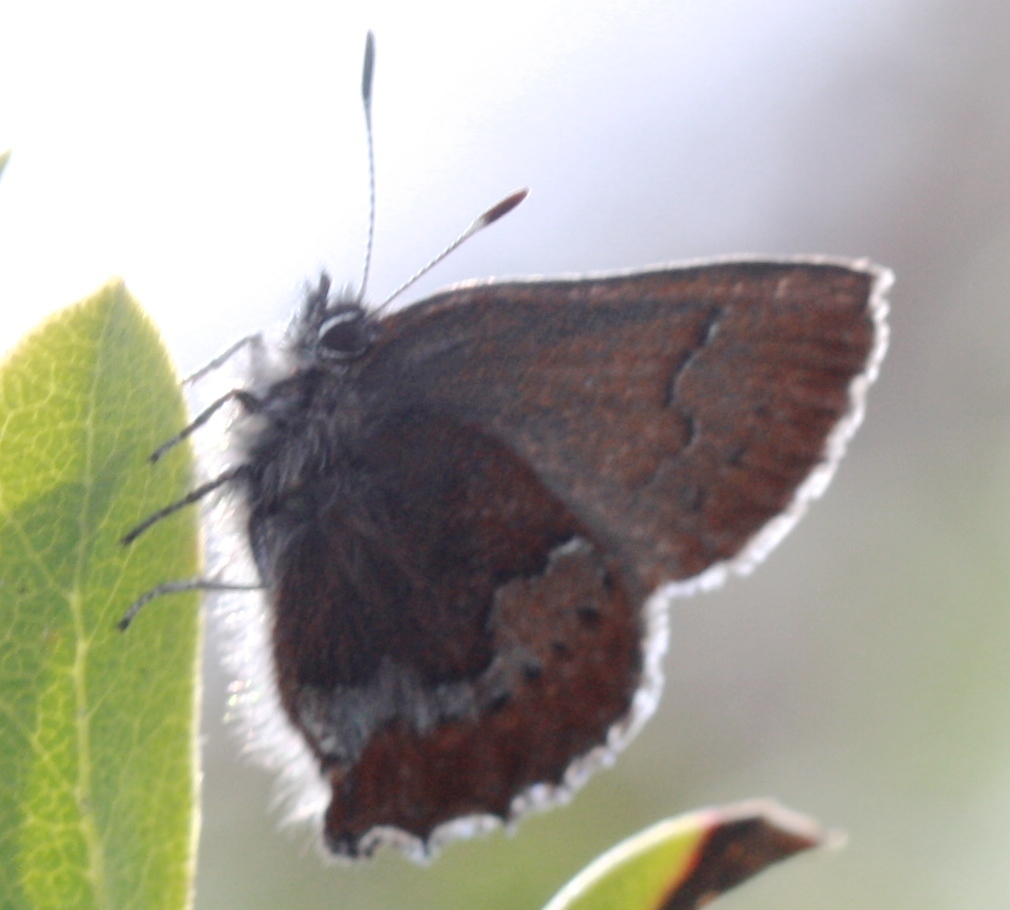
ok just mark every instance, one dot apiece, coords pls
pixel 332 331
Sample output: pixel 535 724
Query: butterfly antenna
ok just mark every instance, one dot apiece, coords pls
pixel 367 70
pixel 498 210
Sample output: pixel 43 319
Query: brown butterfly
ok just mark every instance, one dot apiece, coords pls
pixel 469 515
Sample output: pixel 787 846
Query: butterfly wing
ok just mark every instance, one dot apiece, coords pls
pixel 532 460
pixel 676 412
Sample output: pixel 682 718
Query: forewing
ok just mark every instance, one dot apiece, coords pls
pixel 676 412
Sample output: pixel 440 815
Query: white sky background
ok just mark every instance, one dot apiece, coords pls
pixel 213 154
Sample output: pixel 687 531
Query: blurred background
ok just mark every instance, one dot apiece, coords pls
pixel 213 155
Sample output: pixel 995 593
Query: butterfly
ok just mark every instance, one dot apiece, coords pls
pixel 469 515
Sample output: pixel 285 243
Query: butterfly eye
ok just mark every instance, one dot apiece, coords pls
pixel 344 335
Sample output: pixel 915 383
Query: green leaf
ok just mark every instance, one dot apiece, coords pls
pixel 684 862
pixel 97 727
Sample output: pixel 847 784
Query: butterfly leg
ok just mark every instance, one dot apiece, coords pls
pixel 191 497
pixel 178 587
pixel 253 342
pixel 248 401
